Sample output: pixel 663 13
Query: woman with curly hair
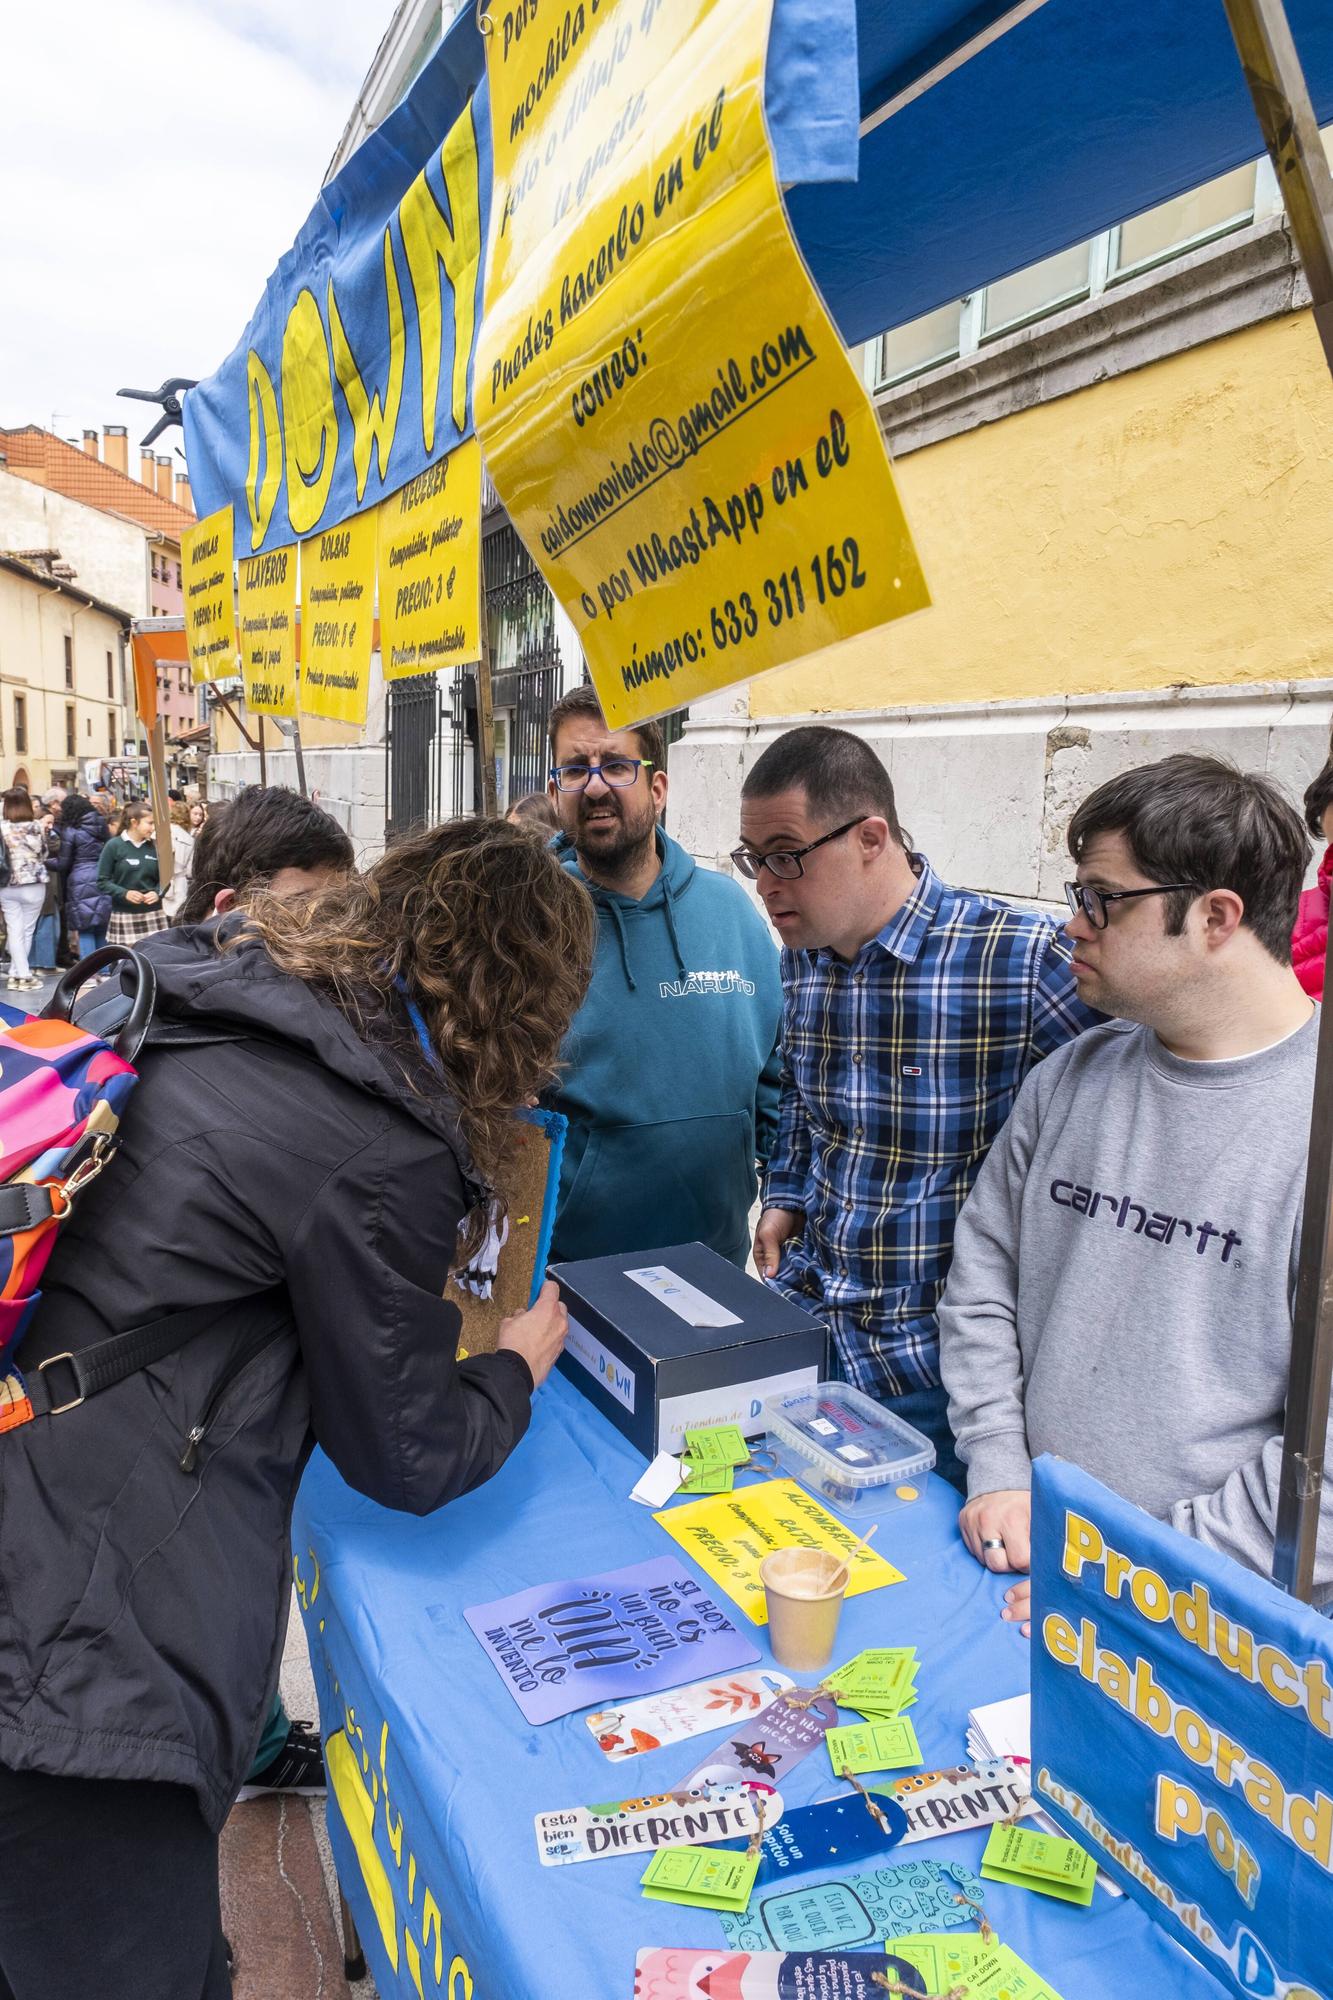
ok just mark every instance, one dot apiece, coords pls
pixel 323 1107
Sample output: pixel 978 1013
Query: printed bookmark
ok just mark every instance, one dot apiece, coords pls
pixel 639 1826
pixel 773 1744
pixel 677 1713
pixel 964 1797
pixel 859 1909
pixel 837 1833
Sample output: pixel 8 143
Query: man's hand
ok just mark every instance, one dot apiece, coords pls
pixel 1003 1519
pixel 539 1333
pixel 776 1225
pixel 1018 1606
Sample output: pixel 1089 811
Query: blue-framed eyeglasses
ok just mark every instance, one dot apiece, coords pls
pixel 617 772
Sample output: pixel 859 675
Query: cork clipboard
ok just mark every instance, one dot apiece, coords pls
pixel 531 1187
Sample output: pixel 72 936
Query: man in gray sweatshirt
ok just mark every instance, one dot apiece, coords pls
pixel 1124 1270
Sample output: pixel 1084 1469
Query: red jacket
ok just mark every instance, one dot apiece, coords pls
pixel 1309 940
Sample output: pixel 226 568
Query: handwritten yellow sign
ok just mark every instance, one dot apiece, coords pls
pixel 267 604
pixel 210 605
pixel 729 1536
pixel 430 567
pixel 667 410
pixel 337 619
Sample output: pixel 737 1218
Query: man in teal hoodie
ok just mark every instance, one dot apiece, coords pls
pixel 672 1065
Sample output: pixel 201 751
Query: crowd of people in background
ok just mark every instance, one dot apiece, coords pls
pixel 80 870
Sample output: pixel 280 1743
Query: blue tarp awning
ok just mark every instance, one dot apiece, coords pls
pixel 1085 113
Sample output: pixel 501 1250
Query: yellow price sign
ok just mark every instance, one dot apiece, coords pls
pixel 667 410
pixel 337 619
pixel 729 1536
pixel 210 604
pixel 267 596
pixel 430 567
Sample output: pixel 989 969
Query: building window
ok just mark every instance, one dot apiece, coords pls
pixel 911 349
pixel 1043 288
pixel 69 661
pixel 178 576
pixel 71 741
pixel 110 678
pixel 111 735
pixel 20 724
pixel 1176 226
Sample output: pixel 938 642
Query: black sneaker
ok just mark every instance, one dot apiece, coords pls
pixel 297 1770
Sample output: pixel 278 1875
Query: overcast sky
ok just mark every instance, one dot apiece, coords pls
pixel 156 159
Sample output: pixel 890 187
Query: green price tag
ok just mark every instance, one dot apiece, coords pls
pixel 1039 1861
pixel 704 1877
pixel 873 1746
pixel 879 1680
pixel 942 1959
pixel 721 1479
pixel 716 1445
pixel 994 1972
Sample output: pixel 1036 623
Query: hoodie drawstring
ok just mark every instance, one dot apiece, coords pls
pixel 619 922
pixel 670 904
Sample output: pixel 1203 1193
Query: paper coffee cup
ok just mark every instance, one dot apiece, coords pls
pixel 804 1590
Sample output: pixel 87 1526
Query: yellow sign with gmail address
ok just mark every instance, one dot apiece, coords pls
pixel 730 1534
pixel 667 410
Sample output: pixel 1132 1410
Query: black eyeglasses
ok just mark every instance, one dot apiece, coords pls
pixel 1094 903
pixel 617 772
pixel 788 865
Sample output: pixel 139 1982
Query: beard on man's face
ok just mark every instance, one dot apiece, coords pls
pixel 612 831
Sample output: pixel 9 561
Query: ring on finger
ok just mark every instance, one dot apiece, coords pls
pixel 992 1542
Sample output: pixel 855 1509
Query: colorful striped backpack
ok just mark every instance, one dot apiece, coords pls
pixel 63 1093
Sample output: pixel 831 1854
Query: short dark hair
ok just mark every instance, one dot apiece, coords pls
pixel 1318 799
pixel 246 839
pixel 839 772
pixel 535 810
pixel 1200 819
pixel 582 701
pixel 18 803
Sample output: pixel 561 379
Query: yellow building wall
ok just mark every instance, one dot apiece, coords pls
pixel 35 619
pixel 1173 526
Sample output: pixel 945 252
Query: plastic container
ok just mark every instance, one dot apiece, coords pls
pixel 850 1451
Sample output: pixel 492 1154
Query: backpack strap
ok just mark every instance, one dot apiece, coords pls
pixel 89 1370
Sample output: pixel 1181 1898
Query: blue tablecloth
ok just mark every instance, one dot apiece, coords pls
pixel 444 1776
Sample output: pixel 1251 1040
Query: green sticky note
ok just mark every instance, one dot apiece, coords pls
pixel 997 1973
pixel 704 1877
pixel 942 1958
pixel 880 1678
pixel 720 1479
pixel 716 1445
pixel 873 1746
pixel 1039 1861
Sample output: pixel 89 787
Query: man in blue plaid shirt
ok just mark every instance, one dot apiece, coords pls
pixel 912 1013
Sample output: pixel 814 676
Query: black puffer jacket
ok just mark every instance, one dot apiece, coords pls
pixel 142 1606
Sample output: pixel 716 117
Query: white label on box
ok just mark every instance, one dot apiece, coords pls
pixel 824 1427
pixel 736 1403
pixel 615 1376
pixel 853 1452
pixel 686 1301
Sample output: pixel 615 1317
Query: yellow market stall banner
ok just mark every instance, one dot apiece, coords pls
pixel 666 408
pixel 267 595
pixel 729 1536
pixel 430 567
pixel 210 605
pixel 337 619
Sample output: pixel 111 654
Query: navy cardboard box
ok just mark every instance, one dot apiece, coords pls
pixel 646 1347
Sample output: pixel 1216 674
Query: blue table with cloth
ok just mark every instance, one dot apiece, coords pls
pixel 436 1777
